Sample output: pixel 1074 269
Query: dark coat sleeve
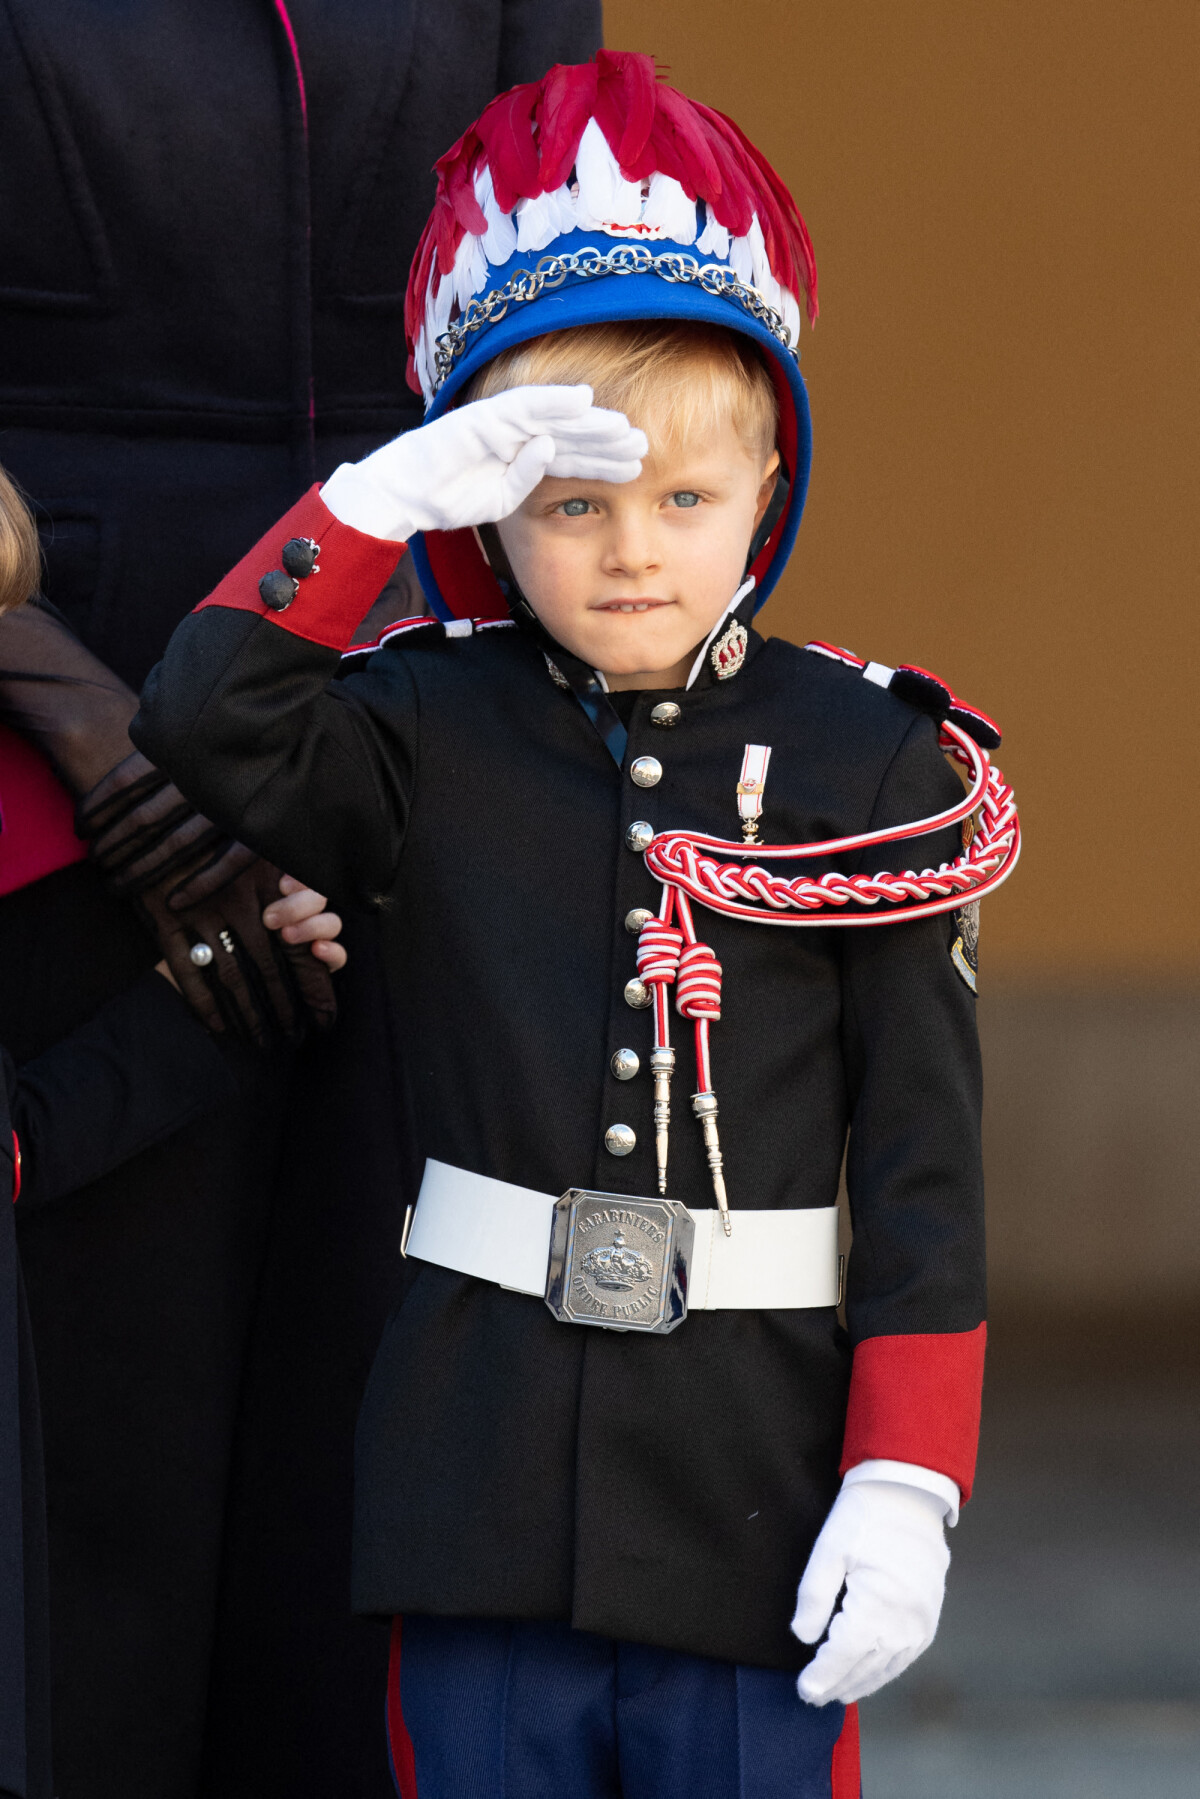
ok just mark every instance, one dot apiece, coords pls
pixel 539 33
pixel 916 1291
pixel 138 1071
pixel 314 774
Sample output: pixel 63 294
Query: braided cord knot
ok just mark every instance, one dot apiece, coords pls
pixel 658 952
pixel 698 994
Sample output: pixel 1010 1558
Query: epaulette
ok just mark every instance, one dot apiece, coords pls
pixel 426 631
pixel 928 693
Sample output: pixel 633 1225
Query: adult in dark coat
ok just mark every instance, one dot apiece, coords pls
pixel 207 214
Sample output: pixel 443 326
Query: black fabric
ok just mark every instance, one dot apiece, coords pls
pixel 139 1071
pixel 123 1081
pixel 157 192
pixel 657 1489
pixel 24 1622
pixel 201 313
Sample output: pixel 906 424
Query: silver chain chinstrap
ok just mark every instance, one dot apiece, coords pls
pixel 629 259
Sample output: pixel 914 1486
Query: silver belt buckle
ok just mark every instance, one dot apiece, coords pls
pixel 619 1262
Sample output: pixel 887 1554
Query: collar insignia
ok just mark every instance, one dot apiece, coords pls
pixel 729 651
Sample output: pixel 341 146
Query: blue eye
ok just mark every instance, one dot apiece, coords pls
pixel 686 498
pixel 575 508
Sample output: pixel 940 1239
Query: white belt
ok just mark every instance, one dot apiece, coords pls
pixel 624 1262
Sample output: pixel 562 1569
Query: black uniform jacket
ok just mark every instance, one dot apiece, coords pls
pixel 666 1489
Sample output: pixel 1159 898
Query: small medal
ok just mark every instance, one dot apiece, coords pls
pixel 750 788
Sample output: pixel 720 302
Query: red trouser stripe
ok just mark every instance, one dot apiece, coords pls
pixel 845 1772
pixel 404 1767
pixel 916 1399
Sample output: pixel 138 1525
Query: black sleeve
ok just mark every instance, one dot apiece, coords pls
pixel 314 774
pixel 914 1164
pixel 915 1295
pixel 538 33
pixel 141 1069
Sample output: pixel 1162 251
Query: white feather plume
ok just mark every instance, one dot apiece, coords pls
pixel 605 197
pixel 500 239
pixel 714 239
pixel 668 206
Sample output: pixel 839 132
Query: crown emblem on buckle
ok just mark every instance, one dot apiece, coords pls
pixel 618 1261
pixel 729 651
pixel 616 1267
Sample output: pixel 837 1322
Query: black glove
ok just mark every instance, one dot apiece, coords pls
pixel 250 982
pixel 188 879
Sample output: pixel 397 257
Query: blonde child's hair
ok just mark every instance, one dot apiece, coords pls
pixel 20 556
pixel 675 381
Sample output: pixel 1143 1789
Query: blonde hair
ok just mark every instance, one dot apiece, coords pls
pixel 675 381
pixel 20 555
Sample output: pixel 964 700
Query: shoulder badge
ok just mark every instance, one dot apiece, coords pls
pixel 964 951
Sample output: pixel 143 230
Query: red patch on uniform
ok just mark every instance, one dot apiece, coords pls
pixel 332 602
pixel 917 1399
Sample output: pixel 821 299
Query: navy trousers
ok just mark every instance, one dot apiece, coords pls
pixel 495 1709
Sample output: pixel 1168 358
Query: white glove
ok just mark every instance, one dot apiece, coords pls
pixel 885 1542
pixel 478 463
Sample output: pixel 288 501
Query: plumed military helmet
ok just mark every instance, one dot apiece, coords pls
pixel 595 195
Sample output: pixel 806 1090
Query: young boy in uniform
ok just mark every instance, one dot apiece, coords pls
pixel 592 796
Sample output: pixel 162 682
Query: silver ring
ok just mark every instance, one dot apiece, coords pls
pixel 226 941
pixel 200 955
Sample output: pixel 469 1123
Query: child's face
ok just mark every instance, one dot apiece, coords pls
pixel 632 578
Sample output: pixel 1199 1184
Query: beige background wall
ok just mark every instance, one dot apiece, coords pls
pixel 1006 416
pixel 1006 406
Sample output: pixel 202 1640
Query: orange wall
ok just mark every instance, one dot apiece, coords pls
pixel 1005 402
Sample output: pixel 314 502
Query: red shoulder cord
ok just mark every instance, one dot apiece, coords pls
pixel 696 868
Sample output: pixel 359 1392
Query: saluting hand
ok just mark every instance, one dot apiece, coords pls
pixel 478 463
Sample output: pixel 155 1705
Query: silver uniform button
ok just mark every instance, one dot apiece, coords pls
pixel 625 1064
pixel 646 771
pixel 619 1139
pixel 640 835
pixel 637 993
pixel 665 713
pixel 636 919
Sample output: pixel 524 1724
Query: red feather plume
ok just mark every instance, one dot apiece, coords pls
pixel 529 138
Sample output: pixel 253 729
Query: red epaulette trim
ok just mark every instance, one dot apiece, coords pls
pixel 919 688
pixel 433 630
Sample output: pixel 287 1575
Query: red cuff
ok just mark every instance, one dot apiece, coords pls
pixel 332 602
pixel 917 1399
